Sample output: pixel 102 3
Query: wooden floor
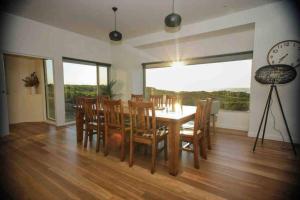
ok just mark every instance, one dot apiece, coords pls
pixel 39 161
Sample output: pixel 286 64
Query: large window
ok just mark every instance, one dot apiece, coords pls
pixel 81 78
pixel 49 89
pixel 227 81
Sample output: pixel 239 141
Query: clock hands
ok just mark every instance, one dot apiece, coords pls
pixel 280 59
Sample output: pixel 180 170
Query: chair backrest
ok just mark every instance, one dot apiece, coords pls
pixel 100 100
pixel 171 101
pixel 199 121
pixel 157 100
pixel 137 97
pixel 90 109
pixel 142 118
pixel 113 114
pixel 207 113
pixel 202 116
pixel 80 103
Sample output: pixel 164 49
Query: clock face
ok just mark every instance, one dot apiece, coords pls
pixel 285 52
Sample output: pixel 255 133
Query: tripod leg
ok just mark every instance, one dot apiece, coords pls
pixel 285 122
pixel 268 108
pixel 262 119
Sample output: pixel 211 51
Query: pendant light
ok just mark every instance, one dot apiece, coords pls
pixel 115 35
pixel 173 19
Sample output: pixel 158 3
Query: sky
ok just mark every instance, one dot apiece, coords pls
pixel 79 74
pixel 203 77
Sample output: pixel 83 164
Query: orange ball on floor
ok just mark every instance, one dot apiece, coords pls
pixel 115 140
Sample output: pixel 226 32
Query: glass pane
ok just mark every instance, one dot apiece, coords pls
pixel 49 90
pixel 227 81
pixel 102 75
pixel 79 80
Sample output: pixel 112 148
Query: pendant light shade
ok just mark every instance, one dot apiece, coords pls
pixel 173 19
pixel 115 35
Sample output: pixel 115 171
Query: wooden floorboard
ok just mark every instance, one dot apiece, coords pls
pixel 40 161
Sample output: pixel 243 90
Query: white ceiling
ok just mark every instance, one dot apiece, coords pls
pixel 95 18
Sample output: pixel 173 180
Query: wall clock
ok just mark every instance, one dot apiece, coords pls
pixel 286 52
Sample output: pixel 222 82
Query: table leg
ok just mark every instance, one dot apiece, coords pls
pixel 79 126
pixel 173 140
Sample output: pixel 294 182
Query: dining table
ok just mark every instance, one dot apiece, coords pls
pixel 173 119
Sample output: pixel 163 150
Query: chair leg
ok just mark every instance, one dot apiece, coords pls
pixel 214 123
pixel 153 164
pixel 208 138
pixel 196 153
pixel 202 144
pixel 131 151
pixel 91 136
pixel 166 148
pixel 123 148
pixel 145 147
pixel 106 144
pixel 85 139
pixel 180 147
pixel 98 141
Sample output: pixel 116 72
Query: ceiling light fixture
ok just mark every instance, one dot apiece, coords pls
pixel 115 35
pixel 173 19
pixel 178 64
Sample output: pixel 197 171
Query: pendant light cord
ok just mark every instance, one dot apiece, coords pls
pixel 115 20
pixel 173 7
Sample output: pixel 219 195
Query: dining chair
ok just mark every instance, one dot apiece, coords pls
pixel 171 101
pixel 143 131
pixel 157 100
pixel 114 125
pixel 137 97
pixel 206 128
pixel 79 117
pixel 196 136
pixel 92 124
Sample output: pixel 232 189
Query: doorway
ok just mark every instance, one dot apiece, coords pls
pixel 27 103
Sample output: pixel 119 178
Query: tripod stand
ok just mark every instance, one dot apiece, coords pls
pixel 267 108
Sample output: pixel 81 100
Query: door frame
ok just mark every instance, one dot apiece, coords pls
pixel 45 119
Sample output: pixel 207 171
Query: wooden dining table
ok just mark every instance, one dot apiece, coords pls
pixel 172 119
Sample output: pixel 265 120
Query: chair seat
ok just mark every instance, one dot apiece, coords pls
pixel 188 125
pixel 160 133
pixel 189 133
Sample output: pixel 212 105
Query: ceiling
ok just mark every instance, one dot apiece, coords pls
pixel 94 18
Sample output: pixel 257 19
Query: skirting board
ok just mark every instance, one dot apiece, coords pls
pixel 276 137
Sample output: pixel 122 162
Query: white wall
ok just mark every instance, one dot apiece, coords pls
pixel 230 40
pixel 127 69
pixel 27 37
pixel 273 23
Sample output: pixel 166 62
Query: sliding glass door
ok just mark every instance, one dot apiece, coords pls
pixel 81 78
pixel 49 89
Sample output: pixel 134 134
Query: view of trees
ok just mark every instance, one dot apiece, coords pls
pixel 230 99
pixel 71 92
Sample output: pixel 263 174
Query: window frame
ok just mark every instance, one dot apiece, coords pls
pixel 45 83
pixel 196 61
pixel 88 62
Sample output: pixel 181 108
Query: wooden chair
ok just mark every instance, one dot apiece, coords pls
pixel 92 124
pixel 137 97
pixel 114 124
pixel 157 100
pixel 79 117
pixel 143 130
pixel 206 128
pixel 196 136
pixel 171 101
